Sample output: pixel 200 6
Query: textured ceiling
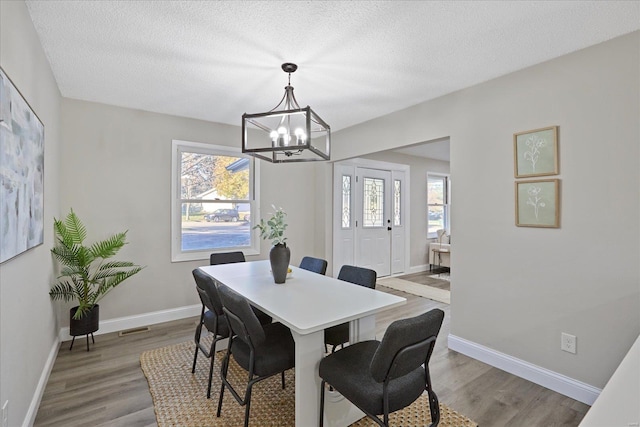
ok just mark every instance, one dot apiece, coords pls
pixel 357 60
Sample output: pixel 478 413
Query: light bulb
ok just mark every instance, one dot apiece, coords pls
pixel 300 136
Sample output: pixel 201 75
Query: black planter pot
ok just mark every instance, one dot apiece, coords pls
pixel 279 257
pixel 86 325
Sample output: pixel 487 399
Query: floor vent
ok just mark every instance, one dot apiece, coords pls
pixel 133 331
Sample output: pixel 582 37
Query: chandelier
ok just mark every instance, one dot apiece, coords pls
pixel 286 133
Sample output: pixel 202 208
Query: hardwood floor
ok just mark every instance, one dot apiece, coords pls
pixel 106 387
pixel 429 278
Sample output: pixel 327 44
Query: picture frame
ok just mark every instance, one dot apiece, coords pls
pixel 21 173
pixel 536 152
pixel 538 203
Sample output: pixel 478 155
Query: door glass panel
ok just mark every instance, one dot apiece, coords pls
pixel 346 201
pixel 373 203
pixel 396 202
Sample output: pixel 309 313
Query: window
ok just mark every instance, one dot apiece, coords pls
pixel 214 201
pixel 346 201
pixel 438 194
pixel 397 210
pixel 373 209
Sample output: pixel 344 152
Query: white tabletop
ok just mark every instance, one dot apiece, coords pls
pixel 619 401
pixel 307 302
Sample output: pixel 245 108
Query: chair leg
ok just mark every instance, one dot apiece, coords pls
pixel 322 403
pixel 247 407
pixel 283 380
pixel 434 408
pixel 195 358
pixel 213 358
pixel 223 374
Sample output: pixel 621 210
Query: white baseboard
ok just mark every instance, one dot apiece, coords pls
pixel 417 269
pixel 562 384
pixel 129 322
pixel 30 416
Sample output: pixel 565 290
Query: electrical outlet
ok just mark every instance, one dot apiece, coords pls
pixel 568 343
pixel 5 414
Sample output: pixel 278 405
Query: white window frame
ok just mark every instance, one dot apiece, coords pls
pixel 446 204
pixel 177 148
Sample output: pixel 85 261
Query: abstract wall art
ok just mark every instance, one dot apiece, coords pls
pixel 21 173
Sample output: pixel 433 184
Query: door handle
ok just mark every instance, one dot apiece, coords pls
pixel 389 228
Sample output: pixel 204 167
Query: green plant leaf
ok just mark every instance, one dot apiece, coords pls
pixel 109 247
pixel 75 228
pixel 62 291
pixel 83 276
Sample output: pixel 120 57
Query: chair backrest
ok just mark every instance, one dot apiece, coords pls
pixel 358 275
pixel 407 344
pixel 226 258
pixel 208 292
pixel 242 319
pixel 316 265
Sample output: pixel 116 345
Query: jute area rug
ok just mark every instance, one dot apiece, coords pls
pixel 180 398
pixel 440 295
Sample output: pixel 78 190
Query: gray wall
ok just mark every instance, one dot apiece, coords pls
pixel 514 289
pixel 419 166
pixel 28 329
pixel 122 157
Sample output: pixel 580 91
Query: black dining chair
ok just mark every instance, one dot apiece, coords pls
pixel 226 257
pixel 339 334
pixel 262 350
pixel 381 377
pixel 213 319
pixel 317 265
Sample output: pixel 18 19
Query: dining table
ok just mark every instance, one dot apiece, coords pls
pixel 308 303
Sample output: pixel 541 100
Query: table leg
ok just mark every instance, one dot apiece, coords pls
pixel 339 412
pixel 309 352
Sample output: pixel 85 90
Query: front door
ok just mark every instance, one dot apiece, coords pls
pixel 373 216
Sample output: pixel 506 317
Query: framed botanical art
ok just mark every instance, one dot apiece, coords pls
pixel 536 152
pixel 538 203
pixel 21 173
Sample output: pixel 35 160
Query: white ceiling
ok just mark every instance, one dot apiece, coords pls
pixel 215 60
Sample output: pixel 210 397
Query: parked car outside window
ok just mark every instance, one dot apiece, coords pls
pixel 223 215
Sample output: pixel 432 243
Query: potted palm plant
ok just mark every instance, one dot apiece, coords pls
pixel 85 275
pixel 280 255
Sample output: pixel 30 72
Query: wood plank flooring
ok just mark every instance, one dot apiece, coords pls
pixel 106 387
pixel 429 279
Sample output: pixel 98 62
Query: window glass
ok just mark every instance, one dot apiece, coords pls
pixel 346 201
pixel 396 202
pixel 214 201
pixel 373 211
pixel 438 188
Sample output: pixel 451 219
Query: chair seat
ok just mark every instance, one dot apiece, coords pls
pixel 277 354
pixel 263 317
pixel 348 371
pixel 210 319
pixel 337 335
